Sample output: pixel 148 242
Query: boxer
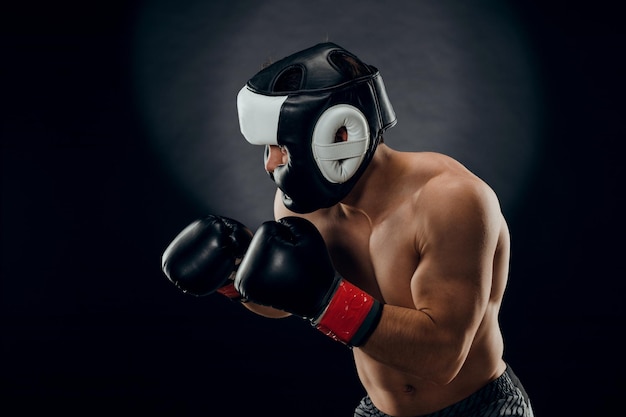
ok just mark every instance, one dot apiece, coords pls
pixel 401 256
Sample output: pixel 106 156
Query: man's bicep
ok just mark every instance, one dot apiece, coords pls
pixel 452 296
pixel 457 246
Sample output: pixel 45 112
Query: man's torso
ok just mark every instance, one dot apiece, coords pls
pixel 380 256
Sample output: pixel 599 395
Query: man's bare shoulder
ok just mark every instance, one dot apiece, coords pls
pixel 453 194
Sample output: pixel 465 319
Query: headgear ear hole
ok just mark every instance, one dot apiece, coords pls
pixel 339 161
pixel 341 135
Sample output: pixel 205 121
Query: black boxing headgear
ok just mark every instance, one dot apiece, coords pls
pixel 299 103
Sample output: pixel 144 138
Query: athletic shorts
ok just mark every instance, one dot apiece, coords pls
pixel 504 396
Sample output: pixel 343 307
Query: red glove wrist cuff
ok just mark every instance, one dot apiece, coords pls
pixel 351 315
pixel 230 291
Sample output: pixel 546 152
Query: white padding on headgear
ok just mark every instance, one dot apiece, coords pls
pixel 258 116
pixel 339 161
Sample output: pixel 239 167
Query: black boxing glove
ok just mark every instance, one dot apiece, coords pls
pixel 288 267
pixel 204 257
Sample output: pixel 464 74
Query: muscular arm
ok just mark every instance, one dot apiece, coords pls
pixel 458 232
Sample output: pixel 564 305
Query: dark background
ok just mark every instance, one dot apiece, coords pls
pixel 89 325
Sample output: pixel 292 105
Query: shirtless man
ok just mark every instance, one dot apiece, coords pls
pixel 401 256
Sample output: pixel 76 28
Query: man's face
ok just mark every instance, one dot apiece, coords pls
pixel 275 156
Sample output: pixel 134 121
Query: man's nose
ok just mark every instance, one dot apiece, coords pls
pixel 276 157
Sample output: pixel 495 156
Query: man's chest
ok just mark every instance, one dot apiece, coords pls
pixel 380 259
